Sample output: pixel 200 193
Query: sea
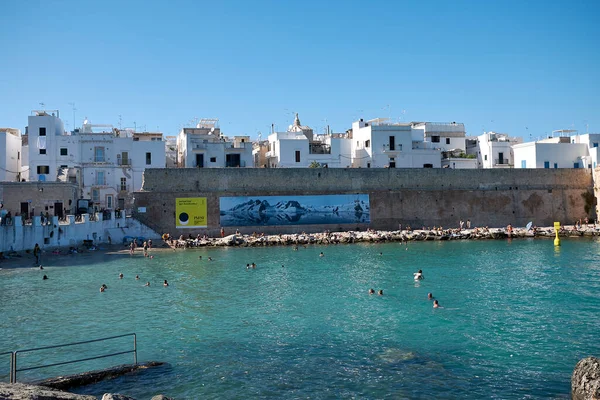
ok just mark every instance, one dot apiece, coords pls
pixel 515 317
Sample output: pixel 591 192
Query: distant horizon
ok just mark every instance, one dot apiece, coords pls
pixel 524 69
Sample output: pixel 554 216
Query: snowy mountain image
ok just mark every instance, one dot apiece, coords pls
pixel 297 210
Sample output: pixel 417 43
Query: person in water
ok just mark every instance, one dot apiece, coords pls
pixel 45 277
pixel 380 293
pixel 102 289
pixel 436 304
pixel 419 275
pixel 166 283
pixel 321 254
pixel 147 284
pixel 120 276
pixel 371 291
pixel 137 277
pixel 429 296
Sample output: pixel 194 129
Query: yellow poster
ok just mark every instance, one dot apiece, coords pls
pixel 190 212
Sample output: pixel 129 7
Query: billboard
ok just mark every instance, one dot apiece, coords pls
pixel 190 212
pixel 295 210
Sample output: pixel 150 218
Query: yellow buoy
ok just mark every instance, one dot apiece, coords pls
pixel 556 229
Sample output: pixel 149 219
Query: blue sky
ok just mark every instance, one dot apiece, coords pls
pixel 521 67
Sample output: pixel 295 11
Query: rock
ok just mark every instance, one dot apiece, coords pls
pixel 116 396
pixel 19 391
pixel 161 397
pixel 585 381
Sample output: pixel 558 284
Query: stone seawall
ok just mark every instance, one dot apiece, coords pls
pixel 415 197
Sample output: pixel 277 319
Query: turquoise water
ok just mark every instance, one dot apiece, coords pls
pixel 516 317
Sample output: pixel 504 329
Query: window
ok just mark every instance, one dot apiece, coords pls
pixel 297 155
pixel 43 169
pixel 427 165
pixel 148 158
pixel 435 139
pixel 447 140
pixel 98 154
pixel 109 201
pixel 367 144
pixel 64 166
pixel 595 144
pixel 555 165
pixel 213 159
pixel 64 151
pixel 368 165
pixel 95 195
pixel 546 164
pixel 100 180
pixel 18 155
pixel 576 164
pixel 123 183
pixel 43 131
pixel 124 156
pixel 42 151
pixel 485 157
pixel 392 143
pixel 523 163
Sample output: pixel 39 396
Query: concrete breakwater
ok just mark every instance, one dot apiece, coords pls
pixel 372 236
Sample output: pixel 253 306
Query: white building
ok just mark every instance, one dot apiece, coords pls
pixel 205 147
pixel 558 151
pixel 10 156
pixel 380 144
pixel 106 162
pixel 299 147
pixel 494 150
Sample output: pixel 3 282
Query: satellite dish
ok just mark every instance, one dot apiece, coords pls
pixel 212 129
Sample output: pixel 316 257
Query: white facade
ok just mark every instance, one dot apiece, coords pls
pixel 107 163
pixel 299 147
pixel 495 150
pixel 205 147
pixel 10 156
pixel 379 144
pixel 558 152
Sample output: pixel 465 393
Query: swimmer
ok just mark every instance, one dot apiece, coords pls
pixel 137 277
pixel 102 289
pixel 147 284
pixel 419 275
pixel 380 293
pixel 210 259
pixel 41 267
pixel 247 266
pixel 121 276
pixel 321 254
pixel 166 283
pixel 151 257
pixel 45 277
pixel 282 266
pixel 429 296
pixel 371 291
pixel 253 265
pixel 199 257
pixel 436 304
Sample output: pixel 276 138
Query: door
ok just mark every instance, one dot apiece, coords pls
pixel 58 210
pixel 500 158
pixel 121 204
pixel 25 210
pixel 392 143
pixel 200 160
pixel 232 160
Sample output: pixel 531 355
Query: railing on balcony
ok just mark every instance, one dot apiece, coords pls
pixel 503 161
pixel 319 148
pixel 388 148
pixel 124 161
pixel 232 145
pixel 124 188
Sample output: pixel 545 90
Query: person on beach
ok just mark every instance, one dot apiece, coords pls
pixel 36 253
pixel 149 243
pixel 166 283
pixel 131 248
pixel 468 224
pixel 436 304
pixel 222 232
pixel 145 249
pixel 371 291
pixel 419 275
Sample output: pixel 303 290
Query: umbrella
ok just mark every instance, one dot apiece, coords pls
pixel 528 226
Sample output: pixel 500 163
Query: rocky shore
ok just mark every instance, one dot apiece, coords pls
pixel 372 236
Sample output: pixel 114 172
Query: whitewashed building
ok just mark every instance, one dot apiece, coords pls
pixel 558 151
pixel 299 147
pixel 493 150
pixel 106 163
pixel 10 154
pixel 206 147
pixel 380 144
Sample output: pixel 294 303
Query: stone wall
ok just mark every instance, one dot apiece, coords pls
pixel 40 196
pixel 416 197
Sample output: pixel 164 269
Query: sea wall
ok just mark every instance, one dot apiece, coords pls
pixel 17 236
pixel 415 197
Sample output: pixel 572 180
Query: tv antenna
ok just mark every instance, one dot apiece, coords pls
pixel 43 105
pixel 120 120
pixel 74 109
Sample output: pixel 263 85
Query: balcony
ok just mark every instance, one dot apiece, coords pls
pixel 386 149
pixel 502 162
pixel 124 161
pixel 124 188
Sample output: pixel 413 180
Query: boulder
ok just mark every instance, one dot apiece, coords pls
pixel 116 396
pixel 161 397
pixel 585 381
pixel 19 391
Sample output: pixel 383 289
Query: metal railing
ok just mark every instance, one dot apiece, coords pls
pixel 13 359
